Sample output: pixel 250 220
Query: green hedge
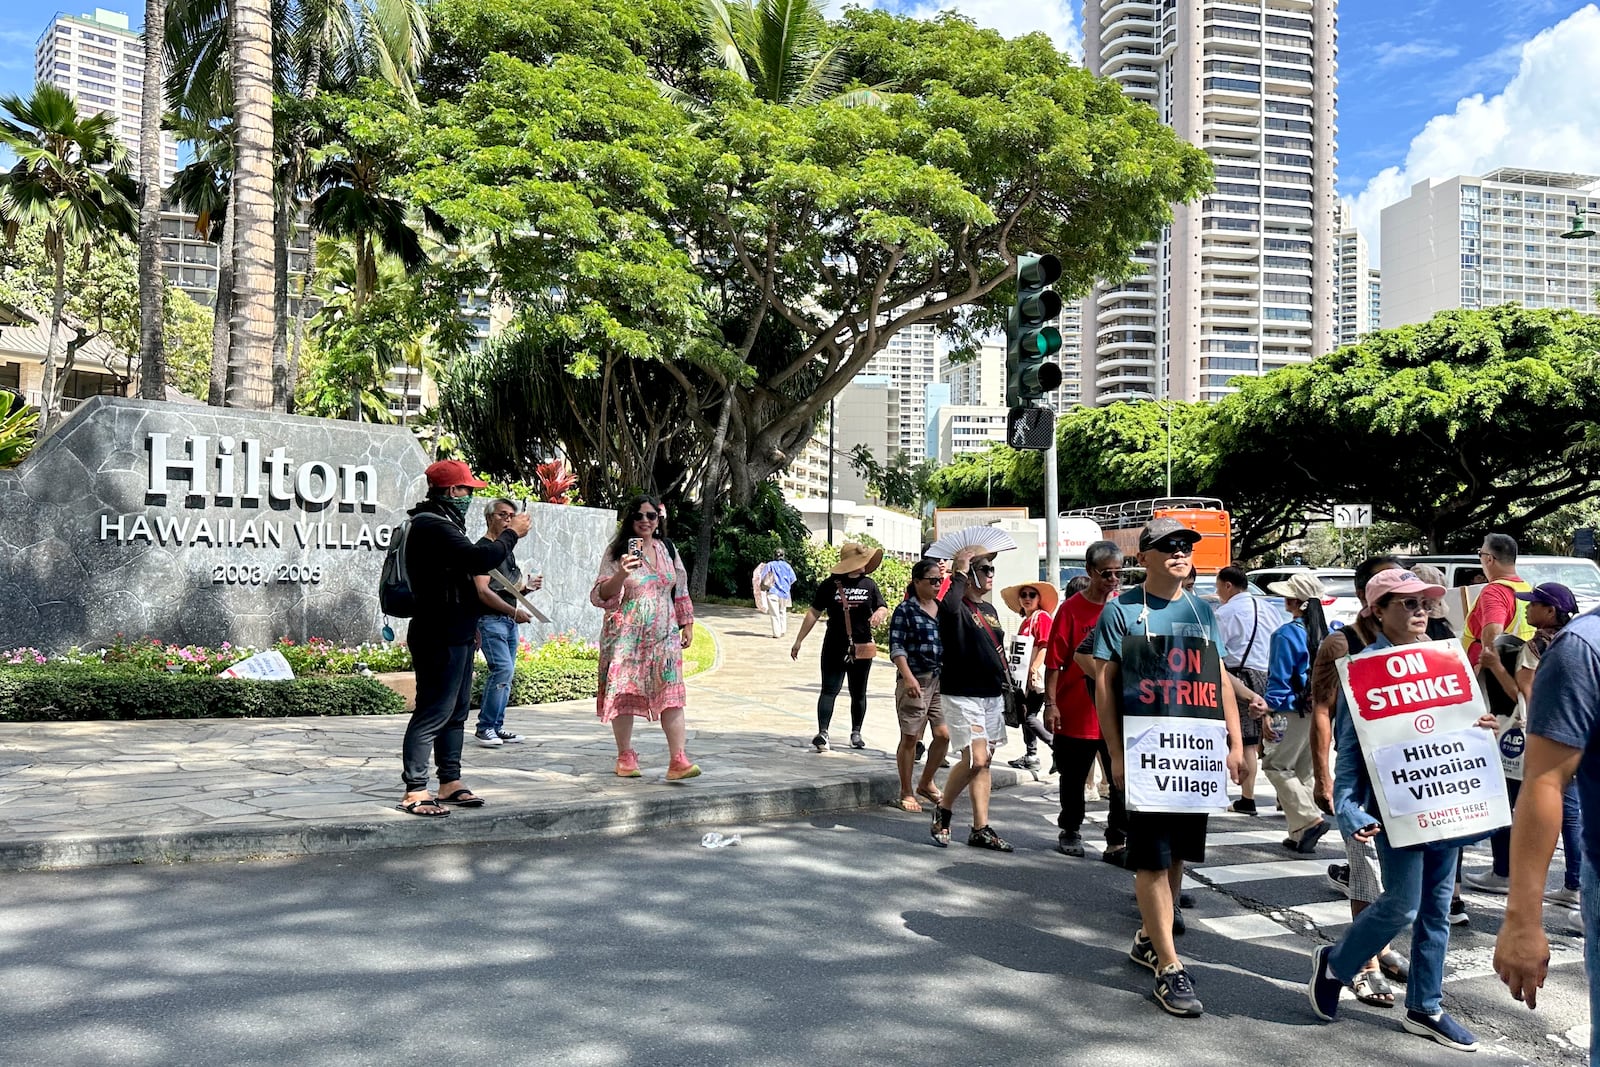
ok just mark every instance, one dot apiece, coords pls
pixel 544 681
pixel 45 694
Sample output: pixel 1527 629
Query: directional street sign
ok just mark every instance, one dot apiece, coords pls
pixel 1352 516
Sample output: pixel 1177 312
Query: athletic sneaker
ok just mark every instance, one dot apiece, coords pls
pixel 488 738
pixel 1339 877
pixel 856 742
pixel 985 837
pixel 1175 993
pixel 1144 953
pixel 1458 913
pixel 1566 898
pixel 679 768
pixel 1441 1028
pixel 941 826
pixel 820 742
pixel 1180 925
pixel 1488 882
pixel 1069 844
pixel 1025 763
pixel 1243 806
pixel 1323 990
pixel 508 737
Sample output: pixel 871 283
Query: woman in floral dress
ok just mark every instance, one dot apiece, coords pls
pixel 644 591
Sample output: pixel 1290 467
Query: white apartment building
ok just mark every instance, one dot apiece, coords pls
pixel 99 62
pixel 1242 281
pixel 910 362
pixel 969 428
pixel 1356 297
pixel 1471 242
pixel 866 412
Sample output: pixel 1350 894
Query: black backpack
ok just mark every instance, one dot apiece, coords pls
pixel 394 582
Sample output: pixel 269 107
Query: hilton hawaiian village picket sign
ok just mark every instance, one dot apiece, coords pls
pixel 202 525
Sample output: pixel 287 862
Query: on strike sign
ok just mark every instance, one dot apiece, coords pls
pixel 1174 736
pixel 1435 771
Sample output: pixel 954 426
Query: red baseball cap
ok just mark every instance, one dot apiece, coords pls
pixel 448 473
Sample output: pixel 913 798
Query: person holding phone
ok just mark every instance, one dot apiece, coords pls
pixel 497 630
pixel 644 590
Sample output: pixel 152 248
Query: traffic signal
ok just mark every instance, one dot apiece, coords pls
pixel 1031 337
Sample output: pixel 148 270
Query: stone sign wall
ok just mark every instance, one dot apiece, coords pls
pixel 202 525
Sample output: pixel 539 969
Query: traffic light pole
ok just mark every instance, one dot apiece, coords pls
pixel 1052 517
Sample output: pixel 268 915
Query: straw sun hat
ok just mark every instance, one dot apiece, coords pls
pixel 854 557
pixel 1049 595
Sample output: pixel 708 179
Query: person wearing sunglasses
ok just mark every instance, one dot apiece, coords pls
pixel 1070 715
pixel 915 651
pixel 1417 882
pixel 497 630
pixel 643 589
pixel 971 685
pixel 1145 627
pixel 1035 602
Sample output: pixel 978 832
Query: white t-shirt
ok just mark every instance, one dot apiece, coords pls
pixel 1237 618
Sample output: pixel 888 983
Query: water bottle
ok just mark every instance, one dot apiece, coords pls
pixel 1277 723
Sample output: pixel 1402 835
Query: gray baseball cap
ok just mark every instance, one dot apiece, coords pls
pixel 1161 529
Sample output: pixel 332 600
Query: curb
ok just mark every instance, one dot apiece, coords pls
pixel 577 818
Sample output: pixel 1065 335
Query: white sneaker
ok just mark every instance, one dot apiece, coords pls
pixel 508 737
pixel 1575 923
pixel 1566 898
pixel 1488 882
pixel 488 740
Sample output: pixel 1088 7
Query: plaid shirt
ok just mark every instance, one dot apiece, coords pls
pixel 914 634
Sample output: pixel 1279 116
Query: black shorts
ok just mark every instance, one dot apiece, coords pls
pixel 1157 840
pixel 1249 729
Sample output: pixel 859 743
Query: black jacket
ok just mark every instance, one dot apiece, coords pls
pixel 972 665
pixel 441 560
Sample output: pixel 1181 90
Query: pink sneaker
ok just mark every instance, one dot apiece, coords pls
pixel 628 764
pixel 680 768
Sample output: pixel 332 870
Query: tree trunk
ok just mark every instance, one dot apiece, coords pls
pixel 283 233
pixel 300 319
pixel 49 407
pixel 710 489
pixel 222 314
pixel 250 327
pixel 152 284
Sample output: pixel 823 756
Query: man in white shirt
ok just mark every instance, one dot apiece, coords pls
pixel 1247 624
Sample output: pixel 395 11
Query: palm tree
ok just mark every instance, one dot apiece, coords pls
pixel 250 331
pixel 317 44
pixel 71 177
pixel 152 283
pixel 777 46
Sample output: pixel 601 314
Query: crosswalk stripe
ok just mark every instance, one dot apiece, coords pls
pixel 1257 872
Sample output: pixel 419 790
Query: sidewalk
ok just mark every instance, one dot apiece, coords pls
pixel 90 793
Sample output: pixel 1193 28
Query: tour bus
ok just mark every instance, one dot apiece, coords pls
pixel 1203 514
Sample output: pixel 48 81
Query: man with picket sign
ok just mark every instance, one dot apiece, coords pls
pixel 1169 719
pixel 1418 775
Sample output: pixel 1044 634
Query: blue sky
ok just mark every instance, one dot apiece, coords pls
pixel 1428 88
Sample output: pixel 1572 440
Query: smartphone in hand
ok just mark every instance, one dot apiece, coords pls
pixel 636 547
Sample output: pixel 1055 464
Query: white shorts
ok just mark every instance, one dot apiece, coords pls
pixel 974 719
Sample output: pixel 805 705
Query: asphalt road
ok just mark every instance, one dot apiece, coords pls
pixel 834 940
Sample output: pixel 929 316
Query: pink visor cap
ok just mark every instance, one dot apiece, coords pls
pixel 1402 582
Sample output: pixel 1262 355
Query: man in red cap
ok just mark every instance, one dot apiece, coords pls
pixel 440 563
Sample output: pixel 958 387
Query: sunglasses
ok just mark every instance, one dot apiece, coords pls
pixel 984 570
pixel 645 516
pixel 1111 575
pixel 1027 594
pixel 1173 546
pixel 1412 604
pixel 505 516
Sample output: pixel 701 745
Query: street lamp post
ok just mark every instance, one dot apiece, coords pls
pixel 1580 228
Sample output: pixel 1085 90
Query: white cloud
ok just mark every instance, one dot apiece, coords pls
pixel 1054 17
pixel 1543 120
pixel 1412 51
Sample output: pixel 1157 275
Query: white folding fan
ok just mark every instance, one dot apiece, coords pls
pixel 987 538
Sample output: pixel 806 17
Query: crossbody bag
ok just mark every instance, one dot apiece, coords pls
pixel 1012 703
pixel 859 650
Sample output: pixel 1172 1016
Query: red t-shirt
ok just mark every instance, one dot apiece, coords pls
pixel 1075 618
pixel 1496 604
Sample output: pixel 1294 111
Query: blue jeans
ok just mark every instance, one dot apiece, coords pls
pixel 1591 954
pixel 498 637
pixel 1417 886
